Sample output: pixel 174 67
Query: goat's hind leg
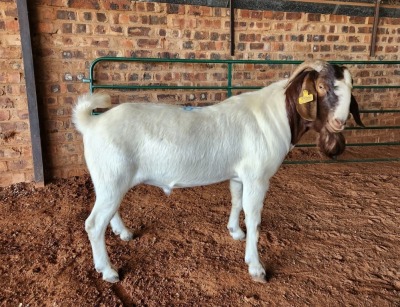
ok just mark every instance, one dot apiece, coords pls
pixel 119 228
pixel 105 208
pixel 233 224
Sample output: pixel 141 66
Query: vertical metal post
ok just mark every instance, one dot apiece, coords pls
pixel 229 79
pixel 232 27
pixel 375 28
pixel 31 91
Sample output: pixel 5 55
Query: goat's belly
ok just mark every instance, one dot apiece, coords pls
pixel 167 184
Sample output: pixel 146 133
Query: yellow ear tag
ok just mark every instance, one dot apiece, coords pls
pixel 306 97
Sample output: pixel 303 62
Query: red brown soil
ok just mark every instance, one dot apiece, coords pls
pixel 329 236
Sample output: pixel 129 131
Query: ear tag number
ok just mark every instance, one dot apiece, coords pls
pixel 306 97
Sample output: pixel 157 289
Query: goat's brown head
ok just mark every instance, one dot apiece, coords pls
pixel 318 96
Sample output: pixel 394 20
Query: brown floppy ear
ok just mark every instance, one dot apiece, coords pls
pixel 306 104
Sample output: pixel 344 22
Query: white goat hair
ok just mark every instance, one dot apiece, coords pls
pixel 243 139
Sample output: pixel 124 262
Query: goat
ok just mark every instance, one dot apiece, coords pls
pixel 243 139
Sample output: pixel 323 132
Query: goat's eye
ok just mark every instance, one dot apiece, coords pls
pixel 336 87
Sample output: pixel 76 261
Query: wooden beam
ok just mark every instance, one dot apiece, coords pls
pixel 30 83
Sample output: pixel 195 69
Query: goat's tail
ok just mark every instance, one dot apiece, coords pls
pixel 82 114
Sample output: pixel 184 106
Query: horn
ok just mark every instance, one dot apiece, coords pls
pixel 317 65
pixel 355 111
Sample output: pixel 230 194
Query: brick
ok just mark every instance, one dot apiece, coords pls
pixel 358 20
pixel 7 152
pixel 18 165
pixel 333 38
pixel 117 5
pixel 10 12
pixel 187 45
pixel 83 4
pixel 174 9
pixel 392 49
pixel 66 15
pixel 81 28
pixel 3 166
pixel 12 25
pixel 273 15
pixel 100 29
pixel 358 48
pixel 313 17
pixel 67 28
pixel 6 102
pixel 257 46
pixel 365 30
pixel 293 16
pixel 5 115
pixel 87 16
pixel 147 43
pixel 201 35
pixel 46 27
pixel 13 77
pixel 199 10
pixel 101 17
pixel 139 31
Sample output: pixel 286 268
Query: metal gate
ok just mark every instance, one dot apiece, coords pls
pixel 229 88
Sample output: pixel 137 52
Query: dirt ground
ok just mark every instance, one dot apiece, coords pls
pixel 329 236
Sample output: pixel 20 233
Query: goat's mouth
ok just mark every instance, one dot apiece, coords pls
pixel 335 125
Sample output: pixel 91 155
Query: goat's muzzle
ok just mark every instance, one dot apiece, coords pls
pixel 331 144
pixel 335 125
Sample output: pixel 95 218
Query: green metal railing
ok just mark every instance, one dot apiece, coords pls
pixel 229 87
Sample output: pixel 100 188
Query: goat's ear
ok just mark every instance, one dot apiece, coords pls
pixel 306 104
pixel 354 110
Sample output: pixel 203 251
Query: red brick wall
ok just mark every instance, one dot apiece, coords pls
pixel 68 35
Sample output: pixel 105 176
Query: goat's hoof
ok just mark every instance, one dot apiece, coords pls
pixel 112 280
pixel 261 278
pixel 238 235
pixel 126 235
pixel 111 276
pixel 257 273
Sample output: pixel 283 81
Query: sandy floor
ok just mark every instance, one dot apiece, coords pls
pixel 330 236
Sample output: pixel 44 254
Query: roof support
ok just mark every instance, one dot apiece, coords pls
pixel 375 28
pixel 27 56
pixel 232 26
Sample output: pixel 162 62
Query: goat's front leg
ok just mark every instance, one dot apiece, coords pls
pixel 233 223
pixel 253 198
pixel 119 228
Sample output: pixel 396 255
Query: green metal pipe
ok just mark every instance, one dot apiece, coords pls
pixel 160 87
pixel 356 144
pixel 380 111
pixel 342 161
pixel 229 80
pixel 373 128
pixel 228 87
pixel 221 61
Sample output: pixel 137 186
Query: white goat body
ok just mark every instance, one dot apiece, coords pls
pixel 243 139
pixel 171 146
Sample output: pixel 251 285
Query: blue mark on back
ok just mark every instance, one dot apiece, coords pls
pixel 190 108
